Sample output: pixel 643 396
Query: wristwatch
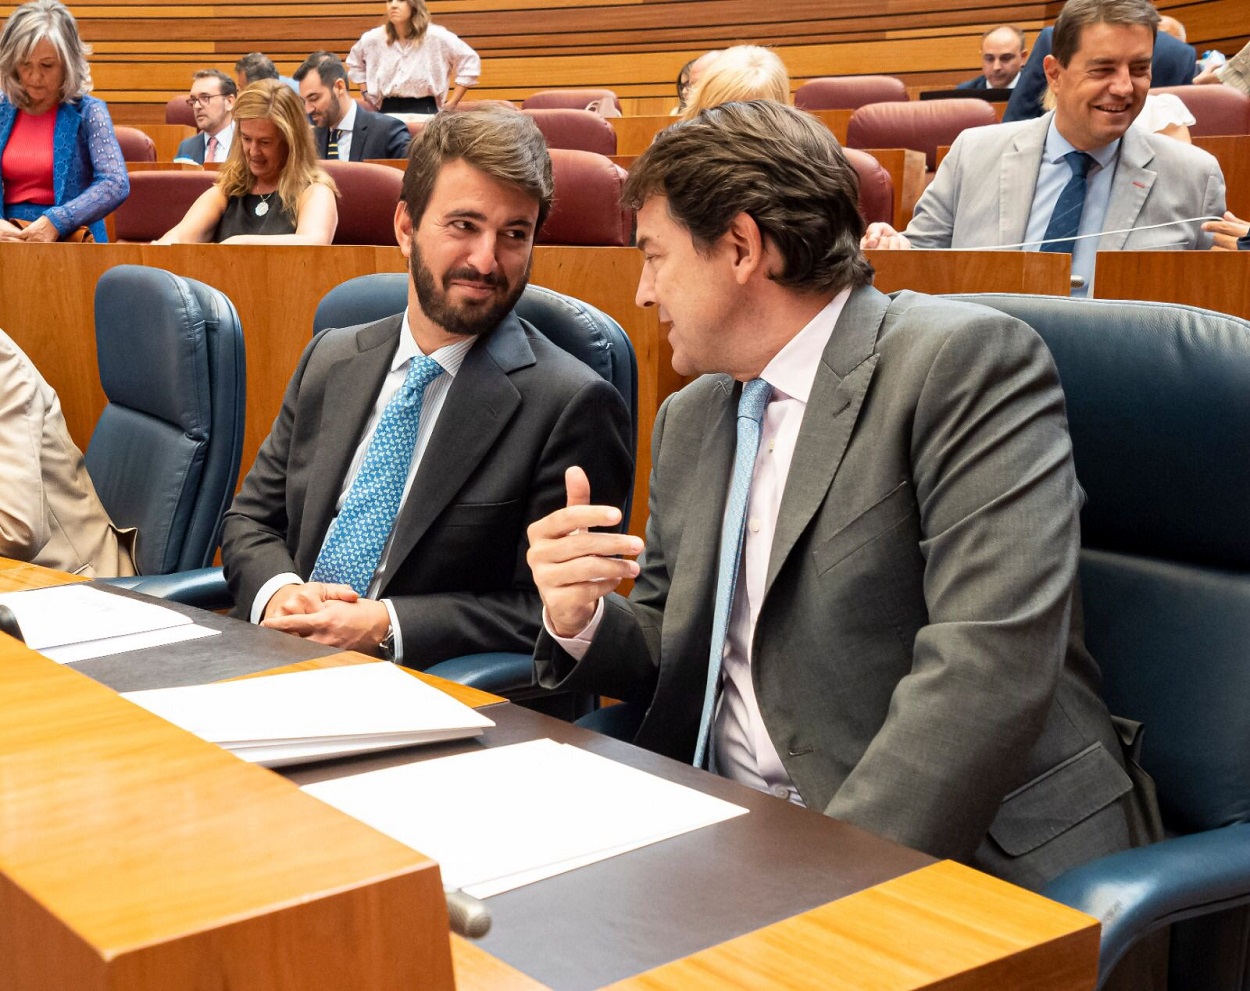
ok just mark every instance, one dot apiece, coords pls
pixel 387 647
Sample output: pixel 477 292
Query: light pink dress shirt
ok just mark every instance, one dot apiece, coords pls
pixel 741 747
pixel 412 69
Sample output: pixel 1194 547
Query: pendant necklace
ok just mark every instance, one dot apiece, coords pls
pixel 262 207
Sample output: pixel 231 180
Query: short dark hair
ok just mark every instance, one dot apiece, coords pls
pixel 326 65
pixel 503 143
pixel 256 66
pixel 778 165
pixel 228 87
pixel 1077 14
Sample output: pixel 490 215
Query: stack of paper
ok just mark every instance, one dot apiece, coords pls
pixel 500 818
pixel 73 622
pixel 315 715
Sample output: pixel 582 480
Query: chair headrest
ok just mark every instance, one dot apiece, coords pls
pixel 587 208
pixel 922 125
pixel 157 202
pixel 577 129
pixel 368 193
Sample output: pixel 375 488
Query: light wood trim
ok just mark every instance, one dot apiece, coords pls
pixel 944 926
pixel 476 969
pixel 135 856
pixel 635 134
pixel 18 576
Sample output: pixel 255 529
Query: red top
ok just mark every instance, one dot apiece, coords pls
pixel 26 165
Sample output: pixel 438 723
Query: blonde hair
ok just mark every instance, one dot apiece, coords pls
pixel 269 99
pixel 31 23
pixel 740 73
pixel 418 22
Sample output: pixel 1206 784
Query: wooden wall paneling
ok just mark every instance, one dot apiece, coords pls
pixel 1214 280
pixel 1038 272
pixel 1233 153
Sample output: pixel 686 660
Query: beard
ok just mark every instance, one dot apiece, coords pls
pixel 473 318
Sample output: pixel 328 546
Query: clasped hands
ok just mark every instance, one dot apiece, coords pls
pixel 326 613
pixel 41 230
pixel 573 566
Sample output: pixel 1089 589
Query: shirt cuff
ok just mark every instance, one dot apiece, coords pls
pixel 397 656
pixel 267 591
pixel 576 646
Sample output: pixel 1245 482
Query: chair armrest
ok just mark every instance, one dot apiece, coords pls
pixel 1137 891
pixel 203 587
pixel 500 672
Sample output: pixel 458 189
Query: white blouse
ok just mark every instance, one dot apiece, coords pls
pixel 412 69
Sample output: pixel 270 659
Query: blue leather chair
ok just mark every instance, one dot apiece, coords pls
pixel 164 456
pixel 582 330
pixel 1158 401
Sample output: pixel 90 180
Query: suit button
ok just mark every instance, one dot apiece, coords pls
pixel 780 791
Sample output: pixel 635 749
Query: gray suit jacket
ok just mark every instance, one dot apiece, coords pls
pixel 520 411
pixel 983 191
pixel 916 659
pixel 49 511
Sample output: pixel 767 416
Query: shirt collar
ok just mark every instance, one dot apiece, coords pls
pixel 450 356
pixel 348 123
pixel 1057 146
pixel 793 369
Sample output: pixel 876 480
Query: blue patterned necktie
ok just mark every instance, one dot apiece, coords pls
pixel 751 405
pixel 354 544
pixel 1065 221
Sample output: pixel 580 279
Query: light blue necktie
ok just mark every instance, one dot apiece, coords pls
pixel 1065 220
pixel 751 407
pixel 354 544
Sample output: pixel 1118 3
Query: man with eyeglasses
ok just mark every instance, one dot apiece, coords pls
pixel 212 102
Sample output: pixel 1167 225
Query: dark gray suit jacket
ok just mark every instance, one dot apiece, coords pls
pixel 373 136
pixel 917 660
pixel 192 149
pixel 520 411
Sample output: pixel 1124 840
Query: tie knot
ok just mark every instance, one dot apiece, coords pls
pixel 754 399
pixel 422 370
pixel 1079 162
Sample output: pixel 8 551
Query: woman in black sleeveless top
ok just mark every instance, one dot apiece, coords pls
pixel 271 190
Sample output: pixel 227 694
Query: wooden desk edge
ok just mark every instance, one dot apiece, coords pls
pixel 945 925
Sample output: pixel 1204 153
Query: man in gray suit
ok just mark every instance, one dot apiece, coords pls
pixel 903 649
pixel 503 413
pixel 1000 185
pixel 358 134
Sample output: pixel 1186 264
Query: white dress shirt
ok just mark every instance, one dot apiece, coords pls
pixel 451 358
pixel 345 128
pixel 741 747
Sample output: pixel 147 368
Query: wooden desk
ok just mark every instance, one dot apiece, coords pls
pixel 1214 280
pixel 1043 273
pixel 829 906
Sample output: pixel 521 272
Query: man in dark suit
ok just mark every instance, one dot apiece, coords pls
pixel 381 517
pixel 212 101
pixel 1174 64
pixel 883 625
pixel 1002 55
pixel 342 129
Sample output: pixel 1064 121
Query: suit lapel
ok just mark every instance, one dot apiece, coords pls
pixel 323 141
pixel 357 151
pixel 355 381
pixel 1129 188
pixel 1017 180
pixel 837 394
pixel 478 406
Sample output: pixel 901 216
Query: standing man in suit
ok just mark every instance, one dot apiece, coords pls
pixel 1079 170
pixel 1002 56
pixel 212 101
pixel 865 603
pixel 342 129
pixel 386 511
pixel 1174 64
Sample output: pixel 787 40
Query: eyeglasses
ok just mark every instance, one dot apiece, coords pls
pixel 195 101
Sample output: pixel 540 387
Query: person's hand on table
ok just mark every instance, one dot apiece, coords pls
pixel 883 237
pixel 574 567
pixel 41 230
pixel 330 614
pixel 1227 231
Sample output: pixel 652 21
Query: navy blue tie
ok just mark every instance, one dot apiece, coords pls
pixel 751 406
pixel 1065 221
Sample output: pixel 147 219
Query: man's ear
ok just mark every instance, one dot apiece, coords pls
pixel 1051 66
pixel 340 90
pixel 747 247
pixel 403 228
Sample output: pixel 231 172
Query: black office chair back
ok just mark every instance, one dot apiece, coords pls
pixel 579 328
pixel 164 456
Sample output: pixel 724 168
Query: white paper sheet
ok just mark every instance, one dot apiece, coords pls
pixel 313 715
pixel 500 818
pixel 93 622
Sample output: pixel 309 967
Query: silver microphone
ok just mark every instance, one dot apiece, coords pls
pixel 469 917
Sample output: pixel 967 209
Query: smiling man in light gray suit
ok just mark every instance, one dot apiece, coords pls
pixel 1000 185
pixel 499 422
pixel 903 650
